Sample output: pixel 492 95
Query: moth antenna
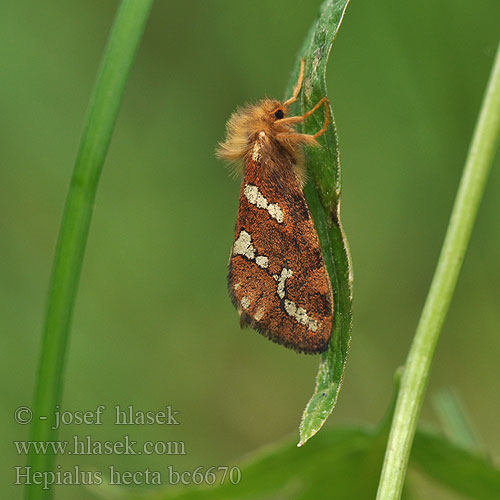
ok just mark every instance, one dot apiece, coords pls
pixel 298 85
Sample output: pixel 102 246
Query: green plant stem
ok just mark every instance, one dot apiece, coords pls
pixel 103 109
pixel 416 373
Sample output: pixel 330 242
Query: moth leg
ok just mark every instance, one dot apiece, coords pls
pixel 327 117
pixel 326 101
pixel 296 137
pixel 298 85
pixel 296 119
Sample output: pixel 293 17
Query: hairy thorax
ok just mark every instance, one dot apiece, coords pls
pixel 263 130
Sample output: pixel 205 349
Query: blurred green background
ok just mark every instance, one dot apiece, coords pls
pixel 153 325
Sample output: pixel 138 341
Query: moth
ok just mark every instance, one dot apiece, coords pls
pixel 277 277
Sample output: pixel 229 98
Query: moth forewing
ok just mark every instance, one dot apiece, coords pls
pixel 277 276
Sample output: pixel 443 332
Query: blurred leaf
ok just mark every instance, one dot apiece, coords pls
pixel 283 470
pixel 343 463
pixel 323 195
pixel 330 464
pixel 454 422
pixel 458 468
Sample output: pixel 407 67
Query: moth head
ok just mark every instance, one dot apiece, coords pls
pixel 273 111
pixel 246 123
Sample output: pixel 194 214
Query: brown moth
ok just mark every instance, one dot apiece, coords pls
pixel 277 276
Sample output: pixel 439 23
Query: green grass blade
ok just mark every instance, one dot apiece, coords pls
pixel 323 195
pixel 103 109
pixel 416 373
